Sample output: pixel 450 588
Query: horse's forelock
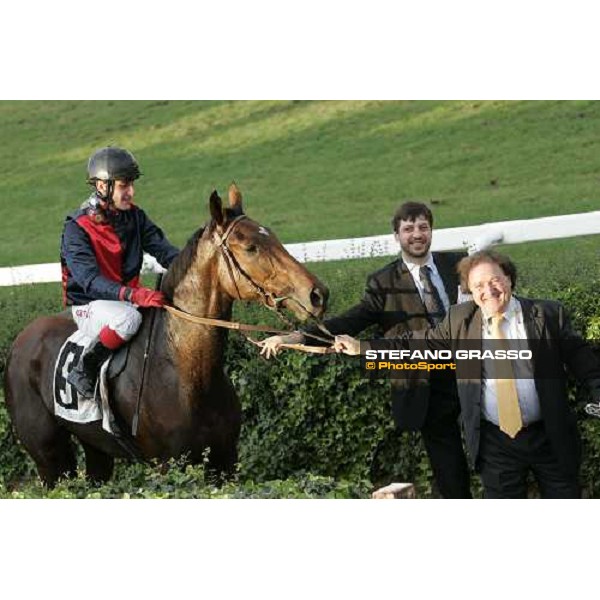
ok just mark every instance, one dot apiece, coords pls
pixel 232 213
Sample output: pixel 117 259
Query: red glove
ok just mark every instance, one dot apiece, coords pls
pixel 142 297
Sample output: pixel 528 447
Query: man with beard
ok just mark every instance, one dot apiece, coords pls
pixel 413 292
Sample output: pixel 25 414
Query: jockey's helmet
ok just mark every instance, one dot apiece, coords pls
pixel 110 163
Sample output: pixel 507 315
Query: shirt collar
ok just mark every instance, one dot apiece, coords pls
pixel 513 310
pixel 413 266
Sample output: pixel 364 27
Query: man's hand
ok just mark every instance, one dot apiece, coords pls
pixel 144 297
pixel 593 409
pixel 346 345
pixel 272 345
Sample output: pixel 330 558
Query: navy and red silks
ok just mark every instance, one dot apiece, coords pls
pixel 100 255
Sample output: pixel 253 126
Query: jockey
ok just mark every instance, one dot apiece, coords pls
pixel 101 258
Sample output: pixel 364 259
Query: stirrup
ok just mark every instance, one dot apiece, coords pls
pixel 82 383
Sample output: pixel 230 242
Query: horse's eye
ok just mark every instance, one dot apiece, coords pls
pixel 252 249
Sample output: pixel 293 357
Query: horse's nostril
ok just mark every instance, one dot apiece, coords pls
pixel 318 297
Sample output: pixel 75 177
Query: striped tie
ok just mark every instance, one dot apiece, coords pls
pixel 431 297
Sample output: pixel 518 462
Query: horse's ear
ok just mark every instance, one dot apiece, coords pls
pixel 216 208
pixel 235 198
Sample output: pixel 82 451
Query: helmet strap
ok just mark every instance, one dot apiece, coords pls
pixel 108 197
pixel 109 192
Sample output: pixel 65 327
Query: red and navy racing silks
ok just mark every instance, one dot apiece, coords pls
pixel 103 251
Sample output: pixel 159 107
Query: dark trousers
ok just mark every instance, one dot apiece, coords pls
pixel 505 463
pixel 443 442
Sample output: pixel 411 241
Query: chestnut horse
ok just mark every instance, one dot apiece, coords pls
pixel 188 404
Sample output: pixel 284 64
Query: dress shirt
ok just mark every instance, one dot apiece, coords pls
pixel 436 280
pixel 513 328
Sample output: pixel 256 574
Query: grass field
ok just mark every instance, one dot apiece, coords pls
pixel 311 170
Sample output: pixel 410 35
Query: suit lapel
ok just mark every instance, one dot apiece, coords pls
pixel 533 321
pixel 466 335
pixel 475 325
pixel 475 333
pixel 446 273
pixel 412 300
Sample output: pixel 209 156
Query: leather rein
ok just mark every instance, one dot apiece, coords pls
pixel 268 300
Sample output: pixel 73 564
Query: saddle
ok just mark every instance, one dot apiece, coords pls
pixel 68 404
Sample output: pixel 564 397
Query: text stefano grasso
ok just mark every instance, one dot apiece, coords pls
pixel 445 355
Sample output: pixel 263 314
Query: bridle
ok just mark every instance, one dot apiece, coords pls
pixel 268 299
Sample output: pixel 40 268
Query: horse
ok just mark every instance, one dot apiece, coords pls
pixel 188 406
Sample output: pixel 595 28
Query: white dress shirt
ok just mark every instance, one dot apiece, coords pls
pixel 513 328
pixel 413 269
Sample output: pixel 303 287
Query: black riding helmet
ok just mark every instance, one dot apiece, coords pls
pixel 109 164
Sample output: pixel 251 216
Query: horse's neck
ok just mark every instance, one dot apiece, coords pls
pixel 199 349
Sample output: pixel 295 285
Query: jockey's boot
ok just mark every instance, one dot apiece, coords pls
pixel 84 374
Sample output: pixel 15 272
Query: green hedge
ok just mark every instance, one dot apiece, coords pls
pixel 180 480
pixel 19 306
pixel 311 424
pixel 318 413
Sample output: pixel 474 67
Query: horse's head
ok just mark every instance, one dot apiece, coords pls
pixel 256 266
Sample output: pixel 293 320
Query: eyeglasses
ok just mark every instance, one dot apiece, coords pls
pixel 493 282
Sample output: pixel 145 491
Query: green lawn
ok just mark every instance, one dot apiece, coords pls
pixel 311 170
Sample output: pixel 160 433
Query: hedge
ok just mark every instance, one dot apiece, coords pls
pixel 305 419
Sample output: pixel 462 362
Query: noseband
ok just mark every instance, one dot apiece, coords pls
pixel 268 299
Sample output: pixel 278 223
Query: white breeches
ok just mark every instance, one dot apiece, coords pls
pixel 121 317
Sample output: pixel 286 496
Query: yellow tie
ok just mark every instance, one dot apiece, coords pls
pixel 509 412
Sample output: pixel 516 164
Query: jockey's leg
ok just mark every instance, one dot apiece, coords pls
pixel 111 324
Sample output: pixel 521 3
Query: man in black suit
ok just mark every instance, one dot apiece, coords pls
pixel 412 292
pixel 519 421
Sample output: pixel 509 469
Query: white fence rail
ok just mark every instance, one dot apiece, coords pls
pixel 472 238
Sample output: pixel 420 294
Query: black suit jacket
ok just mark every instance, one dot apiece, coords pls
pixel 392 302
pixel 557 346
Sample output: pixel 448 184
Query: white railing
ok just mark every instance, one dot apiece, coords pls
pixel 471 238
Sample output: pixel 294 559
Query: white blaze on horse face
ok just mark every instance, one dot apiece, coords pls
pixel 263 231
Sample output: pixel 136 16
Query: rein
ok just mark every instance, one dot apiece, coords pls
pixel 242 327
pixel 178 312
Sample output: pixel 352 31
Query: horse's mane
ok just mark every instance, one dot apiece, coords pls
pixel 179 267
